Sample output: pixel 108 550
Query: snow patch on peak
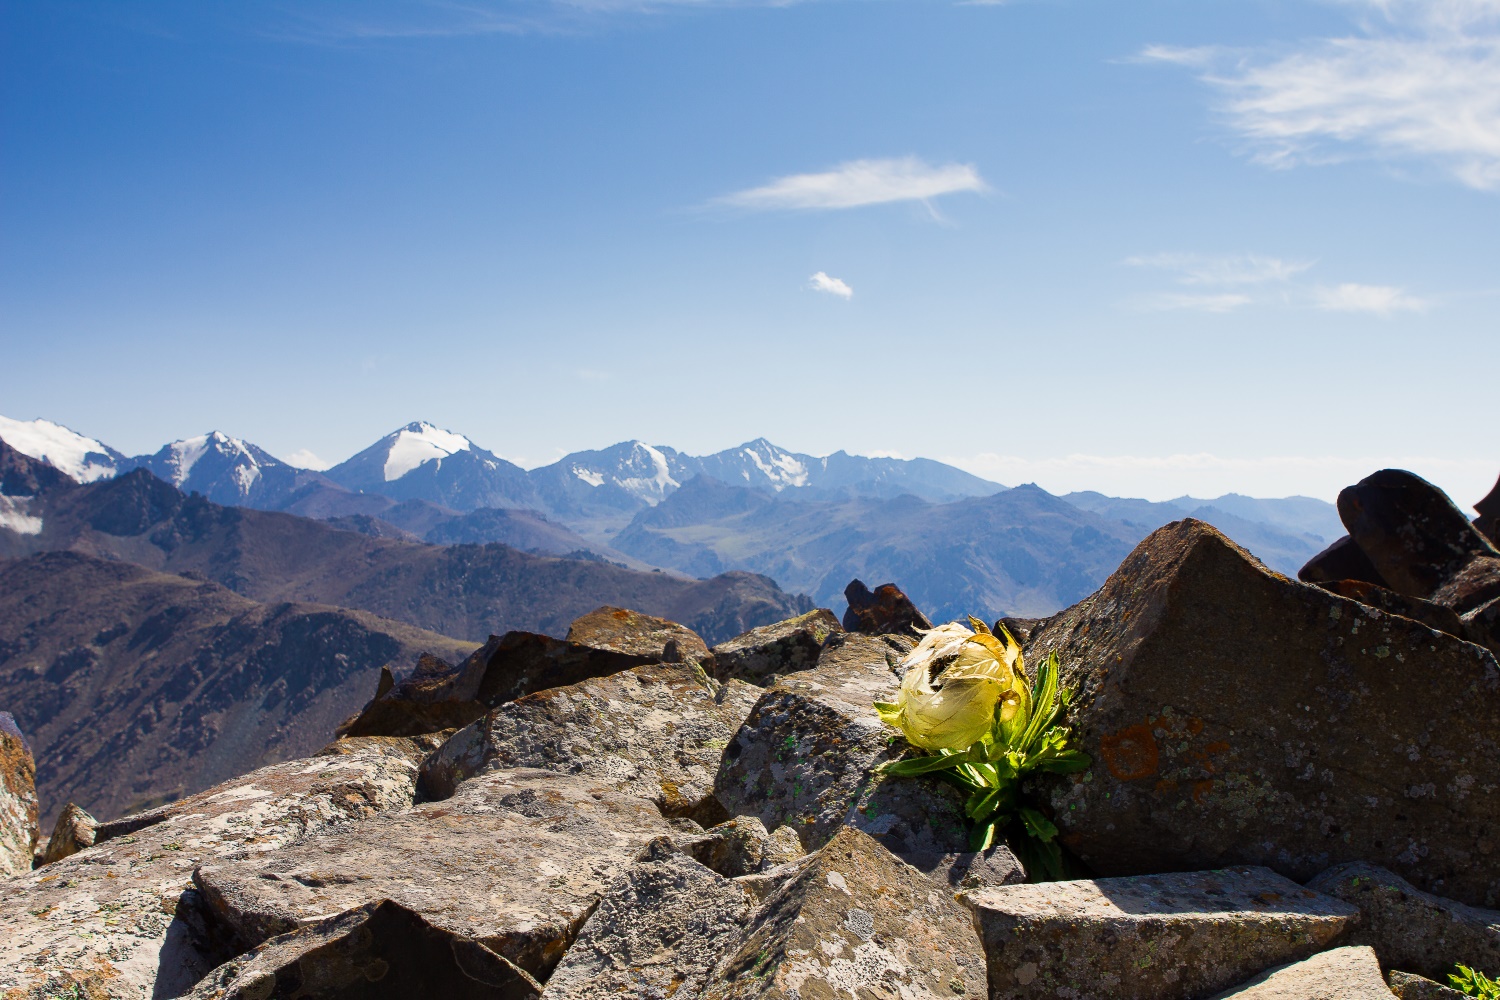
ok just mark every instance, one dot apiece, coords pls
pixel 589 475
pixel 780 467
pixel 15 515
pixel 417 444
pixel 66 450
pixel 656 481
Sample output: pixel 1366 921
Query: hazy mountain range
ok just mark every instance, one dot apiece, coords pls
pixel 955 542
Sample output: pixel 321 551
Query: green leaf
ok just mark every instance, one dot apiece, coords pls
pixel 911 767
pixel 982 837
pixel 1066 762
pixel 1036 824
pixel 982 804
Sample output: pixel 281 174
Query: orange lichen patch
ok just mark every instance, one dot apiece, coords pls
pixel 1201 789
pixel 1130 754
pixel 1166 786
pixel 622 614
pixel 1219 747
pixel 1195 726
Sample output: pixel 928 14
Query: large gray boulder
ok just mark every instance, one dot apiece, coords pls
pixel 656 732
pixel 1349 973
pixel 18 808
pixel 1237 717
pixel 1410 986
pixel 1151 937
pixel 1413 930
pixel 515 859
pixel 784 647
pixel 382 951
pixel 121 918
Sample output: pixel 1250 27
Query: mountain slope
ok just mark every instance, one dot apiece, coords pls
pixel 423 462
pixel 81 458
pixel 142 687
pixel 227 470
pixel 467 591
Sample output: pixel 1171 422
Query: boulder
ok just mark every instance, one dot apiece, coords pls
pixel 1343 560
pixel 1410 986
pixel 122 919
pixel 742 846
pixel 852 920
pixel 75 830
pixel 1429 614
pixel 781 648
pixel 1410 929
pixel 656 732
pixel 1151 937
pixel 630 633
pixel 1488 522
pixel 515 860
pixel 1422 544
pixel 1348 973
pixel 382 951
pixel 1237 717
pixel 885 610
pixel 1482 625
pixel 18 810
pixel 660 928
pixel 438 696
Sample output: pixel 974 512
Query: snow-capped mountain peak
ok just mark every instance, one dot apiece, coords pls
pixel 224 468
pixel 419 443
pixel 780 467
pixel 82 458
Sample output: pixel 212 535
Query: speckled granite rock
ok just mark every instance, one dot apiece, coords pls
pixel 853 921
pixel 1340 974
pixel 1152 937
pixel 807 754
pixel 120 919
pixel 1410 986
pixel 1237 717
pixel 659 930
pixel 630 633
pixel 75 830
pixel 1410 929
pixel 781 648
pixel 882 610
pixel 742 846
pixel 382 951
pixel 18 811
pixel 655 731
pixel 515 859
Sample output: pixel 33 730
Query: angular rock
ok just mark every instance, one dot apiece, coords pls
pixel 1488 522
pixel 741 846
pixel 782 648
pixel 1482 625
pixel 437 696
pixel 74 831
pixel 1237 717
pixel 1410 929
pixel 1429 614
pixel 1410 986
pixel 515 860
pixel 18 811
pixel 886 610
pixel 382 951
pixel 122 919
pixel 852 920
pixel 1343 560
pixel 1420 542
pixel 1151 937
pixel 1348 973
pixel 655 731
pixel 659 930
pixel 630 633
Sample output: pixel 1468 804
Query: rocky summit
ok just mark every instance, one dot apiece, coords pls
pixel 1292 793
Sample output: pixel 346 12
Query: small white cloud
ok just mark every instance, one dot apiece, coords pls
pixel 861 182
pixel 1381 300
pixel 305 459
pixel 821 282
pixel 1244 269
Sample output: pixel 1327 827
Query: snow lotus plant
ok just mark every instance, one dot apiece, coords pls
pixel 965 696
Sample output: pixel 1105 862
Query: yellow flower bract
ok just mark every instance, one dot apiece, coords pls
pixel 960 686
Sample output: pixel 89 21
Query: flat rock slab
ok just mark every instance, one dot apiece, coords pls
pixel 1237 717
pixel 854 921
pixel 630 633
pixel 1350 973
pixel 18 808
pixel 1410 986
pixel 382 951
pixel 1411 929
pixel 784 647
pixel 117 919
pixel 516 860
pixel 659 931
pixel 656 732
pixel 1151 937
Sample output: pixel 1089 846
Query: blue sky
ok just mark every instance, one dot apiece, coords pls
pixel 1143 247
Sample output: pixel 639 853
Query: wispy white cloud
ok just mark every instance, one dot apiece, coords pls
pixel 303 458
pixel 1203 474
pixel 1381 300
pixel 1201 269
pixel 859 183
pixel 1417 81
pixel 821 282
